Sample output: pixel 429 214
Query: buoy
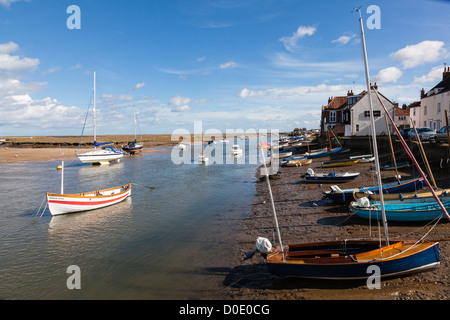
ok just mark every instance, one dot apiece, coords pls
pixel 16 155
pixel 59 167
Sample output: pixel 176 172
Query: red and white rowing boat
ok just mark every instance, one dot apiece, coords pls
pixel 68 203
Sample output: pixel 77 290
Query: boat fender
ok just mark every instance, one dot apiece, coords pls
pixel 310 172
pixel 400 196
pixel 263 245
pixel 415 196
pixel 363 202
pixel 445 193
pixel 332 174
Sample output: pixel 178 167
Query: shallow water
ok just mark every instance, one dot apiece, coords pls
pixel 175 240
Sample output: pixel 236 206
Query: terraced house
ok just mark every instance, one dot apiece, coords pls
pixel 433 104
pixel 350 115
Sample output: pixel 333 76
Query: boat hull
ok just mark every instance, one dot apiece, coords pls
pixel 338 178
pixel 346 196
pixel 68 203
pixel 134 149
pixel 320 154
pixel 332 263
pixel 409 196
pixel 342 163
pixel 100 156
pixel 401 211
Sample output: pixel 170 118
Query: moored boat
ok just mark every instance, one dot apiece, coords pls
pixel 397 210
pixel 69 203
pixel 351 259
pixel 413 196
pixel 331 177
pixel 339 163
pixel 104 155
pixel 346 195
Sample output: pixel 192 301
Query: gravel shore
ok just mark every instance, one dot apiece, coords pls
pixel 304 216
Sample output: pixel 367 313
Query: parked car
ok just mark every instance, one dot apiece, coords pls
pixel 425 134
pixel 404 133
pixel 441 135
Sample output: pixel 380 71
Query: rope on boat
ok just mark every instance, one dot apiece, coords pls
pixel 141 185
pixel 36 220
pixel 411 247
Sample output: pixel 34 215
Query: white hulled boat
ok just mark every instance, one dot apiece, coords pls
pixel 103 153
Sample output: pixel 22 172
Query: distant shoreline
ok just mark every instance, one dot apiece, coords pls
pixel 45 148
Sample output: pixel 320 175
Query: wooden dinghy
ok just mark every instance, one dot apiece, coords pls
pixel 416 196
pixel 331 177
pixel 296 163
pixel 339 163
pixel 68 203
pixel 351 259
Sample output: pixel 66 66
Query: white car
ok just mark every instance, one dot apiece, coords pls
pixel 425 134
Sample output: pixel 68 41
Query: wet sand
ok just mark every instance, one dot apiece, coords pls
pixel 304 216
pixel 49 148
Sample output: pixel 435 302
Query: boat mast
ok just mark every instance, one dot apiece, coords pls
pixel 374 134
pixel 62 174
pixel 95 127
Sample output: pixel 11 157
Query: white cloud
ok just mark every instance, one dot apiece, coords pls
pixel 7 3
pixel 245 93
pixel 139 85
pixel 182 103
pixel 433 76
pixel 228 65
pixel 51 71
pixel 417 54
pixel 184 108
pixel 344 39
pixel 8 47
pixel 15 63
pixel 323 88
pixel 77 66
pixel 117 97
pixel 391 74
pixel 291 42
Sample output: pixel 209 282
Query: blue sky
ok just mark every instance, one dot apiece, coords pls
pixel 232 64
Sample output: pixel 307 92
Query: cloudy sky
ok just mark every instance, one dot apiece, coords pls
pixel 232 64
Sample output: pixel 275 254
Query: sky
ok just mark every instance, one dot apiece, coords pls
pixel 227 64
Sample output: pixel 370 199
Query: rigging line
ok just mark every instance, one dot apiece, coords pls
pixel 40 207
pixel 408 151
pixel 422 227
pixel 85 119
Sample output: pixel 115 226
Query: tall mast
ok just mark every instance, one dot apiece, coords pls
pixel 95 127
pixel 374 134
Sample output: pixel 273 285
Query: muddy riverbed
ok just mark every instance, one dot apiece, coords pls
pixel 304 216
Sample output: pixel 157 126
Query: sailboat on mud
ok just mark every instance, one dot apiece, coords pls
pixel 351 259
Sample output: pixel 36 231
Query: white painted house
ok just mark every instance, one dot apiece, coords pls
pixel 350 116
pixel 433 104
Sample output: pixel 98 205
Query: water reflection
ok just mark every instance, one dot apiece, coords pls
pixel 153 245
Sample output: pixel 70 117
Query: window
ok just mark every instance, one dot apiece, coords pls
pixel 414 111
pixel 376 113
pixel 357 127
pixel 401 117
pixel 332 116
pixel 425 110
pixel 439 107
pixel 424 123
